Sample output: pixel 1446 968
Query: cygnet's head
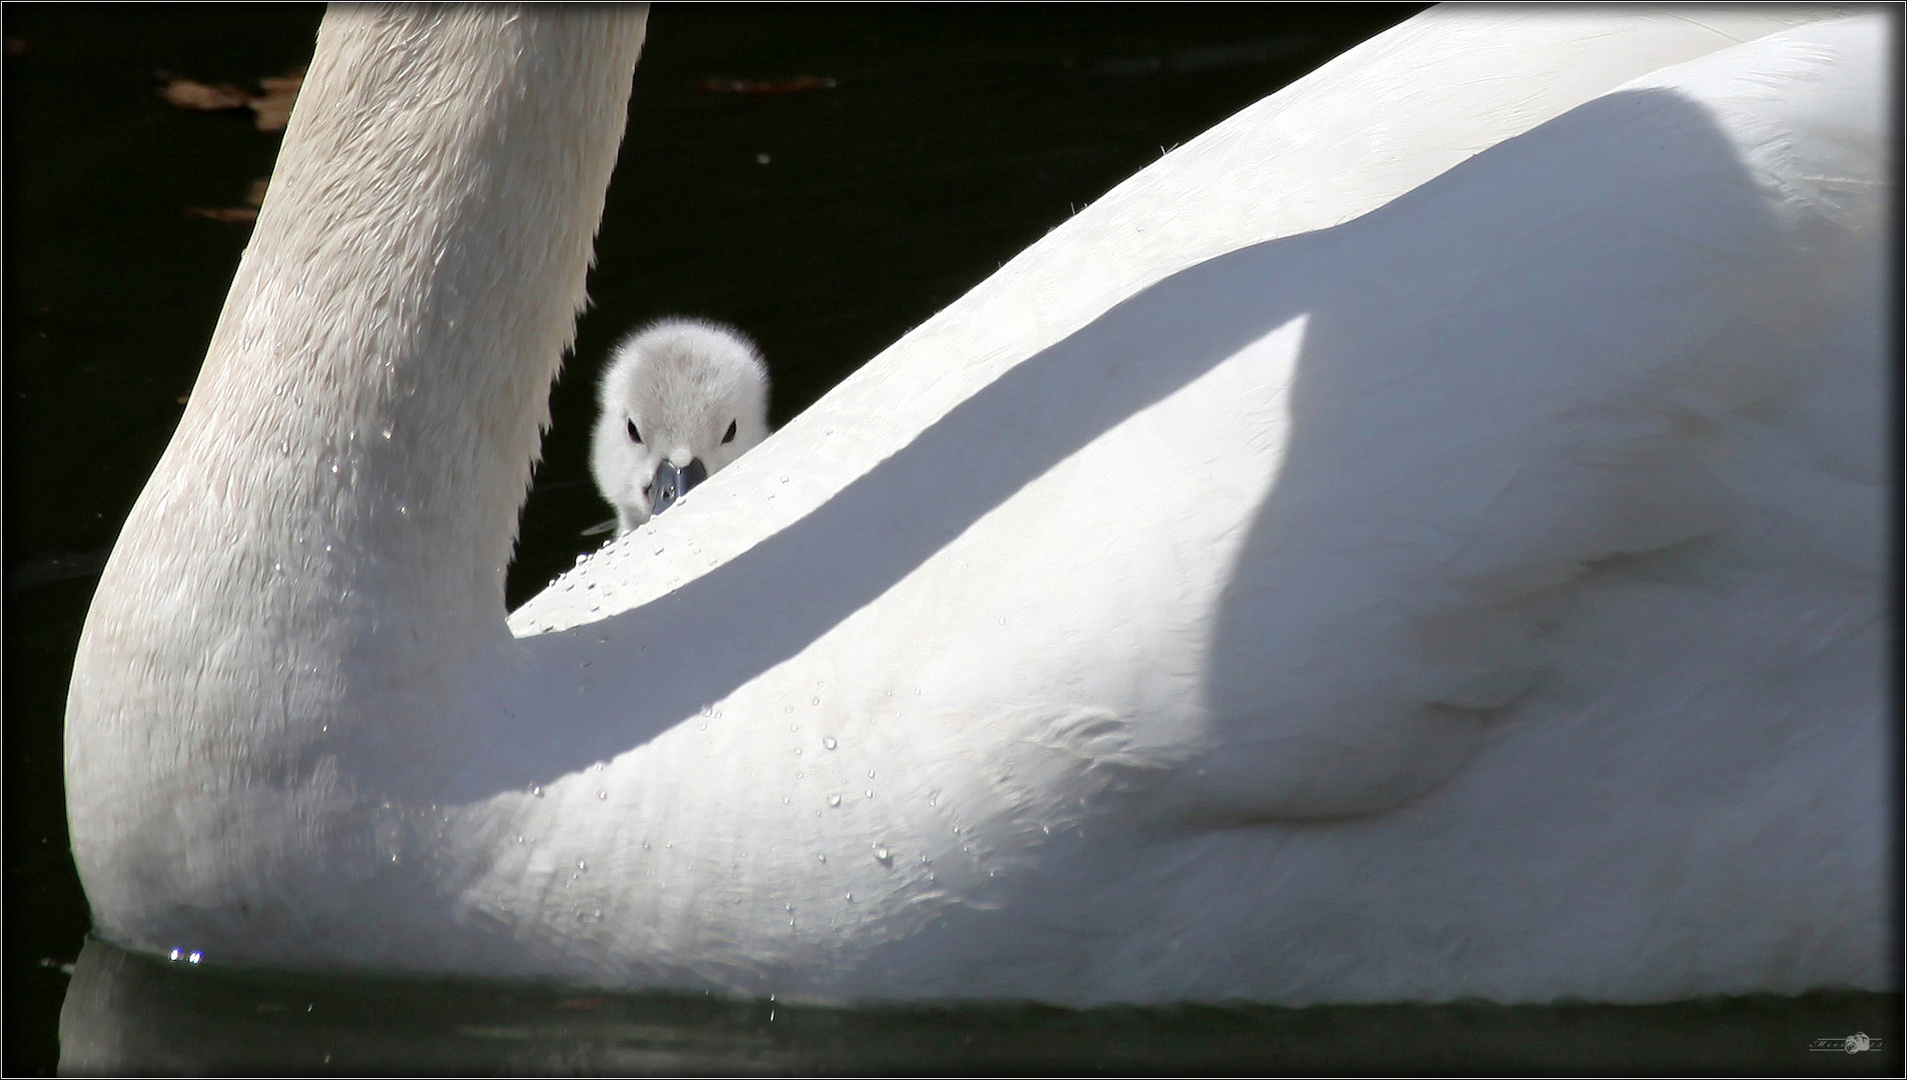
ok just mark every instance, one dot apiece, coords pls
pixel 681 399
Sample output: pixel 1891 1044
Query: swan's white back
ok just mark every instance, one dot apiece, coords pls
pixel 1333 567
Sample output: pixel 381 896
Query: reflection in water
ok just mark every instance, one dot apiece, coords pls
pixel 129 1012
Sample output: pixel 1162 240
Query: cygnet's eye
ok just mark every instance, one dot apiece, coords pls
pixel 728 438
pixel 634 435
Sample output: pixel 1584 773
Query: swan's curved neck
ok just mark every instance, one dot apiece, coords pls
pixel 396 321
pixel 325 540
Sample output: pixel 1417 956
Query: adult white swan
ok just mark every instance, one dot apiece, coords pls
pixel 1333 567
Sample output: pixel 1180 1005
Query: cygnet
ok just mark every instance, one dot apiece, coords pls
pixel 681 399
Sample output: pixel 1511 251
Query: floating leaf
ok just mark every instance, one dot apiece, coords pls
pixel 187 94
pixel 271 108
pixel 270 104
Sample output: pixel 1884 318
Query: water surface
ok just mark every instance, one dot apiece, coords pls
pixel 174 1017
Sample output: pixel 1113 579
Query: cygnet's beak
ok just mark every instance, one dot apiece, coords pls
pixel 672 483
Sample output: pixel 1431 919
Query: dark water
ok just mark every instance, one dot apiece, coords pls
pixel 172 1017
pixel 953 138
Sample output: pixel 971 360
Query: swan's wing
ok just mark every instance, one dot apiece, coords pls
pixel 1533 363
pixel 1633 355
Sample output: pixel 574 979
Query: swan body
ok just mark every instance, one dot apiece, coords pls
pixel 1421 539
pixel 681 399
